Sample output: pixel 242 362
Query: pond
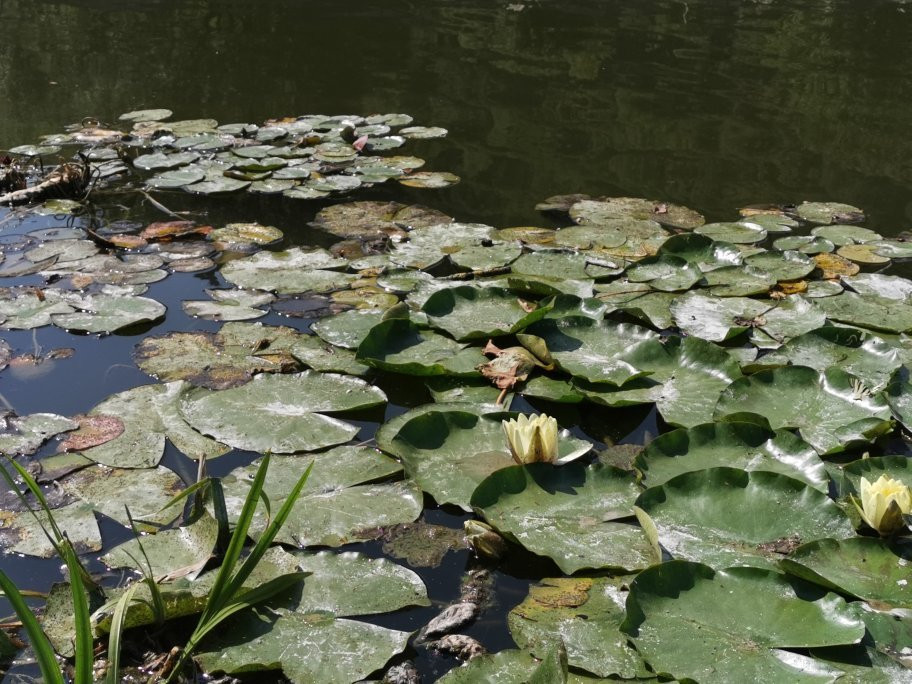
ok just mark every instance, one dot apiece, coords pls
pixel 637 323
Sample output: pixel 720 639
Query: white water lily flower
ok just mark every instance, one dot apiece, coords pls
pixel 884 503
pixel 532 439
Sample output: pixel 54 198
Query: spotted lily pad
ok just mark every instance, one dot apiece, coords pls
pixel 369 219
pixel 295 270
pixel 691 622
pixel 726 516
pixel 279 413
pixel 829 212
pixel 219 360
pixel 149 414
pixel 596 211
pixel 830 409
pixel 21 532
pixel 575 513
pixel 585 613
pixel 25 434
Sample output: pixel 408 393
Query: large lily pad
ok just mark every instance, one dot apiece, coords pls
pixel 690 622
pixel 449 453
pixel 747 446
pixel 599 351
pixel 869 311
pixel 295 270
pixel 585 613
pixel 344 501
pixel 307 648
pixel 102 313
pixel 864 355
pixel 598 211
pixel 219 360
pixel 685 378
pixel 375 219
pixel 278 413
pixel 399 345
pixel 25 434
pixel 22 533
pixel 726 516
pixel 567 513
pixel 28 310
pixel 149 414
pixel 469 313
pixel 831 409
pixel 866 567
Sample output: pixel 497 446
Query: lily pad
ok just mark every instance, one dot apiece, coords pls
pixel 738 233
pixel 726 516
pixel 747 446
pixel 448 452
pixel 25 434
pixel 690 622
pixel 597 211
pixel 149 414
pixel 375 219
pixel 219 360
pixel 865 567
pixel 278 413
pixel 22 533
pixel 469 313
pixel 102 313
pixel 868 311
pixel 575 509
pixel 400 346
pixel 347 329
pixel 295 270
pixel 160 161
pixel 429 179
pixel 585 613
pixel 829 212
pixel 343 502
pixel 829 408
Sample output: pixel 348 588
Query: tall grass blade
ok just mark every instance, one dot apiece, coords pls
pixel 81 617
pixel 44 654
pixel 117 627
pixel 158 603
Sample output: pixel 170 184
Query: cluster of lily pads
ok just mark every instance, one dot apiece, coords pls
pixel 304 157
pixel 726 549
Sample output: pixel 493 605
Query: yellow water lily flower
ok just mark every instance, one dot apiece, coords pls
pixel 883 504
pixel 532 439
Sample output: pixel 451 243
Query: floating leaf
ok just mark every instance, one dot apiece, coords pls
pixel 869 568
pixel 690 622
pixel 869 311
pixel 726 516
pixel 159 161
pixel 585 613
pixel 598 211
pixel 400 346
pixel 102 313
pixel 826 407
pixel 22 533
pixel 469 313
pixel 829 212
pixel 25 434
pixel 430 179
pixel 448 453
pixel 741 445
pixel 575 509
pixel 278 413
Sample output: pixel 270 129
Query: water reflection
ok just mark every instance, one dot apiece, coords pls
pixel 707 103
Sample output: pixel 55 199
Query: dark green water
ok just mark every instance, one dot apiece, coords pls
pixel 712 104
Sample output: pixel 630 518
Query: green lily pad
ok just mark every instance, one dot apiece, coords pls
pixel 149 414
pixel 429 179
pixel 599 351
pixel 665 272
pixel 146 491
pixel 101 313
pixel 829 212
pixel 701 251
pixel 895 249
pixel 639 300
pixel 469 313
pixel 841 234
pixel 585 613
pixel 375 219
pixel 310 647
pixel 449 452
pixel 505 667
pixel 862 354
pixel 826 407
pixel 217 185
pixel 865 567
pixel 159 161
pixel 295 270
pixel 176 178
pixel 806 244
pixel 690 622
pixel 787 265
pixel 737 233
pixel 869 311
pixel 278 413
pixel 552 264
pixel 747 446
pixel 344 501
pixel 22 533
pixel 229 305
pixel 142 115
pixel 481 258
pixel 599 211
pixel 726 516
pixel 449 389
pixel 35 150
pixel 400 346
pixel 219 360
pixel 738 281
pixel 880 285
pixel 575 509
pixel 347 329
pixel 25 434
pixel 685 378
pixel 321 356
